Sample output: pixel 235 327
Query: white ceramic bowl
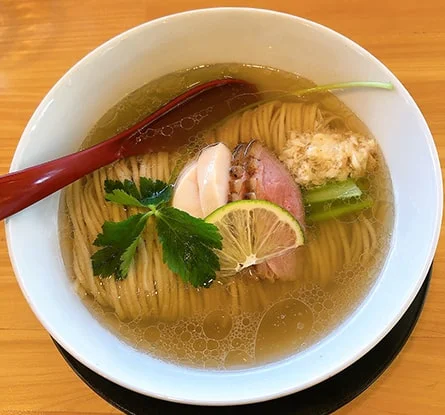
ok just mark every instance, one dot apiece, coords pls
pixel 227 35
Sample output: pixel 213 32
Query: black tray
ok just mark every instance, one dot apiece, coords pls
pixel 320 399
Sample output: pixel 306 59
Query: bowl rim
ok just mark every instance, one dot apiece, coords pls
pixel 26 137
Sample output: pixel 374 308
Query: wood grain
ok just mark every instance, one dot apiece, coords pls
pixel 41 39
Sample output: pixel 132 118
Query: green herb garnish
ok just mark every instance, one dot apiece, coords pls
pixel 119 241
pixel 153 192
pixel 187 245
pixel 187 242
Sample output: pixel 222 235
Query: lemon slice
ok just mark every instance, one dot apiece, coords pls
pixel 253 231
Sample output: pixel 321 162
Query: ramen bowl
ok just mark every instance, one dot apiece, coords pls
pixel 185 40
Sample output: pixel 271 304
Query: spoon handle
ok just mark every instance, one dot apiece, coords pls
pixel 21 189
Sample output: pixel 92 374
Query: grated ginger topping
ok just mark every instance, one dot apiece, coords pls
pixel 316 158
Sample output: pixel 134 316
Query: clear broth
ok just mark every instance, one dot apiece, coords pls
pixel 293 321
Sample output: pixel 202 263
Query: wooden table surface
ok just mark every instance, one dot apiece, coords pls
pixel 41 39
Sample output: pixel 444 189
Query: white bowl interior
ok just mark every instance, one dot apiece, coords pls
pixel 209 36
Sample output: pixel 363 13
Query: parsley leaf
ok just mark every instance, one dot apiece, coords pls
pixel 119 241
pixel 128 186
pixel 123 198
pixel 187 245
pixel 152 192
pixel 187 242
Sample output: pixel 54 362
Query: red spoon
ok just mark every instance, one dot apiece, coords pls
pixel 167 128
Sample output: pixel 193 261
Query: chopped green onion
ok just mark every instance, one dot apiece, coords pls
pixel 332 191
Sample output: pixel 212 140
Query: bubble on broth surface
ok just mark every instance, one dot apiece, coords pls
pixel 288 320
pixel 217 324
pixel 152 334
